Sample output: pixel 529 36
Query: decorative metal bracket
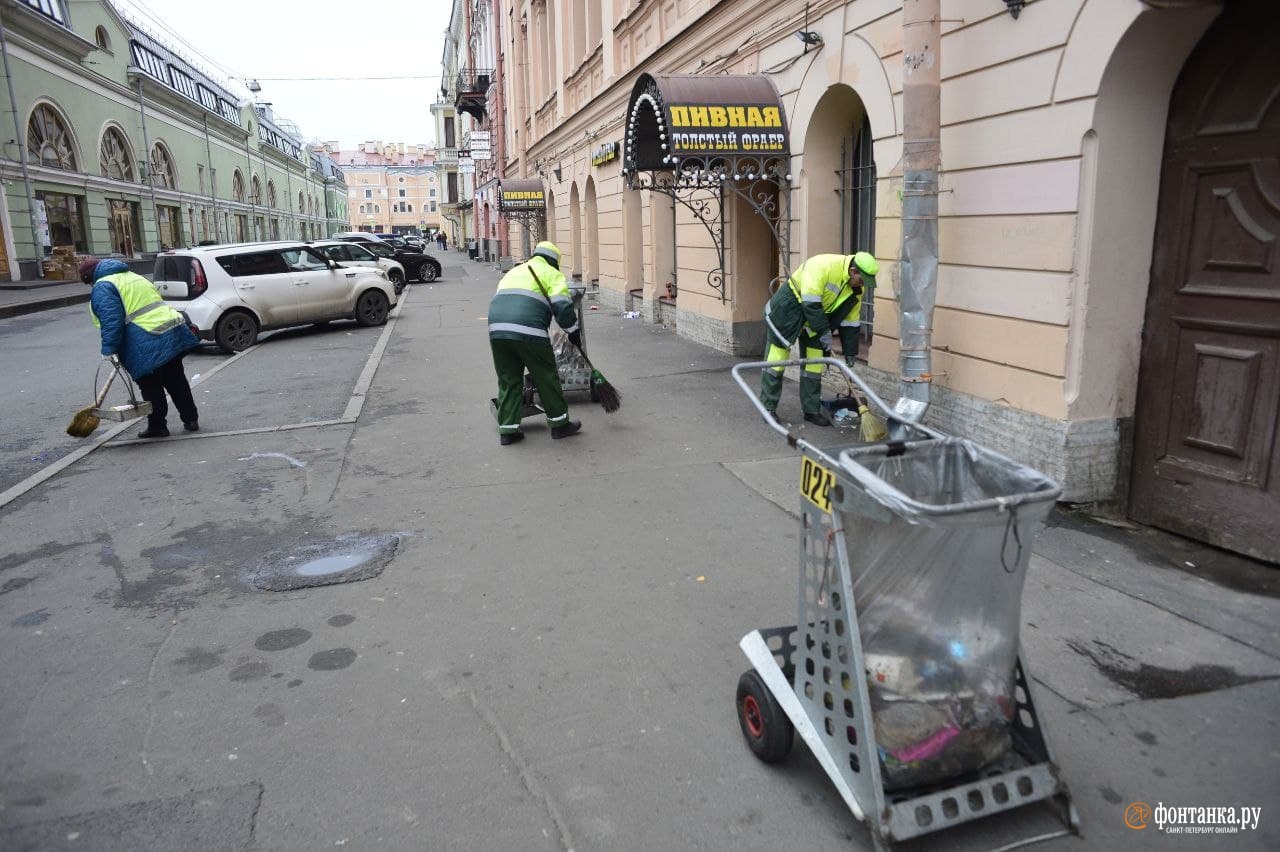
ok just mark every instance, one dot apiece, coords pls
pixel 1015 7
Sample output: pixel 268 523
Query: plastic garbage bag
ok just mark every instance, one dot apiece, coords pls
pixel 939 538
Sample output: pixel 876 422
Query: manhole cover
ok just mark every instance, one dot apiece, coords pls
pixel 346 559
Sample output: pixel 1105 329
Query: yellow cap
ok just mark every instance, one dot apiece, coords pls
pixel 866 263
pixel 548 250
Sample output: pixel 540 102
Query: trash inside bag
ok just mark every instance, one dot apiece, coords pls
pixel 939 538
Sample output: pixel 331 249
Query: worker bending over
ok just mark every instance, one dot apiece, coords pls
pixel 519 318
pixel 823 294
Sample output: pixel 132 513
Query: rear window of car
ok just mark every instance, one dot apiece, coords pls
pixel 257 263
pixel 172 268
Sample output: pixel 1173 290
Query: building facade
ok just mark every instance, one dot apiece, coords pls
pixel 392 187
pixel 453 126
pixel 127 148
pixel 1107 303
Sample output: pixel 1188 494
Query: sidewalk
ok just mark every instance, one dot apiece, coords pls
pixel 29 297
pixel 557 633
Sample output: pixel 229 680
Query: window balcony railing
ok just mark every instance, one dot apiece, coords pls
pixel 471 91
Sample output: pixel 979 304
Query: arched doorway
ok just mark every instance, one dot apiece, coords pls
pixel 551 216
pixel 591 272
pixel 1206 462
pixel 575 235
pixel 839 144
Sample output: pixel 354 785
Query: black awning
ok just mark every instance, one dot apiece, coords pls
pixel 521 196
pixel 675 116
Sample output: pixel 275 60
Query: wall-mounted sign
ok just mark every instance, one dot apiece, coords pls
pixel 605 153
pixel 521 195
pixel 699 129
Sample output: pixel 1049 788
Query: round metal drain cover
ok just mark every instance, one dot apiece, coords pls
pixel 346 559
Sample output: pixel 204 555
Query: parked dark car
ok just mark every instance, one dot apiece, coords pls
pixel 417 265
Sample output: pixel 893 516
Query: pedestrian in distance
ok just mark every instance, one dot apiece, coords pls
pixel 824 293
pixel 147 336
pixel 520 314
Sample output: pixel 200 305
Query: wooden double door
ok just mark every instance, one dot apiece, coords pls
pixel 1205 452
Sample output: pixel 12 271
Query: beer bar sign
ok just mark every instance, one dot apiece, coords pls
pixel 704 129
pixel 517 195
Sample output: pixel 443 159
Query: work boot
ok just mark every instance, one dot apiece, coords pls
pixel 818 418
pixel 570 428
pixel 191 425
pixel 153 432
pixel 508 438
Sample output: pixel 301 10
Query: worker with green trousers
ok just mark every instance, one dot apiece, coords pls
pixel 519 318
pixel 823 294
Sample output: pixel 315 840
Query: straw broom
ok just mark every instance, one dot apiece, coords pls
pixel 84 421
pixel 871 427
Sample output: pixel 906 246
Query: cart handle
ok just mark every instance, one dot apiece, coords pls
pixel 898 427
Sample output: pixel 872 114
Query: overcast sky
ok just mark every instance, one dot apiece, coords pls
pixel 267 39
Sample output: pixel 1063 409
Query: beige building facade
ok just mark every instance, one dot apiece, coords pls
pixel 392 187
pixel 1069 221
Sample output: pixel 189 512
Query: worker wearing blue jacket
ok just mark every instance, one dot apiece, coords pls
pixel 147 336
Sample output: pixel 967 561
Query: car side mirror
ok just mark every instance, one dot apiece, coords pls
pixel 333 264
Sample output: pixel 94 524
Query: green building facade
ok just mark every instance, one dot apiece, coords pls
pixel 124 148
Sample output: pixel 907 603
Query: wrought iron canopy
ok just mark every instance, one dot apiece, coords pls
pixel 700 139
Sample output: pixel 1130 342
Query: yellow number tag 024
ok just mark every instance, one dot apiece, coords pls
pixel 815 483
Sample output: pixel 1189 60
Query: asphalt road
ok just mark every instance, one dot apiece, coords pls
pixel 51 360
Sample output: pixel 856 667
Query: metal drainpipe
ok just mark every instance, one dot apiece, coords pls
pixel 146 143
pixel 20 138
pixel 253 205
pixel 213 189
pixel 288 196
pixel 917 290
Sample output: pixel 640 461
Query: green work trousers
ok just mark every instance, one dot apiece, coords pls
pixel 785 317
pixel 510 359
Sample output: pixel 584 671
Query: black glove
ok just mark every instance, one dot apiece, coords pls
pixel 575 337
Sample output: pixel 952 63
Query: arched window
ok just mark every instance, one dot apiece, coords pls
pixel 163 173
pixel 271 194
pixel 49 141
pixel 101 38
pixel 255 194
pixel 410 208
pixel 377 208
pixel 302 203
pixel 115 155
pixel 237 186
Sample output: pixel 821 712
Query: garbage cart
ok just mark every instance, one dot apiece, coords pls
pixel 903 672
pixel 575 372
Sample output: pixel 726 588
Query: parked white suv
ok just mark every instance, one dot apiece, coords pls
pixel 354 254
pixel 232 292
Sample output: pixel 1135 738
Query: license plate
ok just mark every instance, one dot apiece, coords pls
pixel 815 483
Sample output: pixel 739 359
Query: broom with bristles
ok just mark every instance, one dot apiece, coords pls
pixel 871 427
pixel 610 399
pixel 84 421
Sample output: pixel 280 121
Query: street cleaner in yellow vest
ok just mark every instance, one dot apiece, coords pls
pixel 519 321
pixel 824 293
pixel 148 337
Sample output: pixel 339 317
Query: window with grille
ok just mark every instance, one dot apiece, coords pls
pixel 858 207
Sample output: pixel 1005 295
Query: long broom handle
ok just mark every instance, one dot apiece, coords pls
pixel 97 403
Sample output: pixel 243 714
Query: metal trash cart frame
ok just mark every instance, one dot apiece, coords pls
pixel 575 374
pixel 814 671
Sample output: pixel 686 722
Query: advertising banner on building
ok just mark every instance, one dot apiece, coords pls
pixel 521 195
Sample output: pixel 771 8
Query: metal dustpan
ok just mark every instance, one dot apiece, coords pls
pixel 132 410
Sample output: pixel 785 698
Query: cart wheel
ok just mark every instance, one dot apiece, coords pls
pixel 768 731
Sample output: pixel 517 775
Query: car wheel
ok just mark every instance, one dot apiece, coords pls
pixel 372 307
pixel 235 331
pixel 396 277
pixel 428 272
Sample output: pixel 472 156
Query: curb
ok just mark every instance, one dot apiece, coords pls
pixel 42 305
